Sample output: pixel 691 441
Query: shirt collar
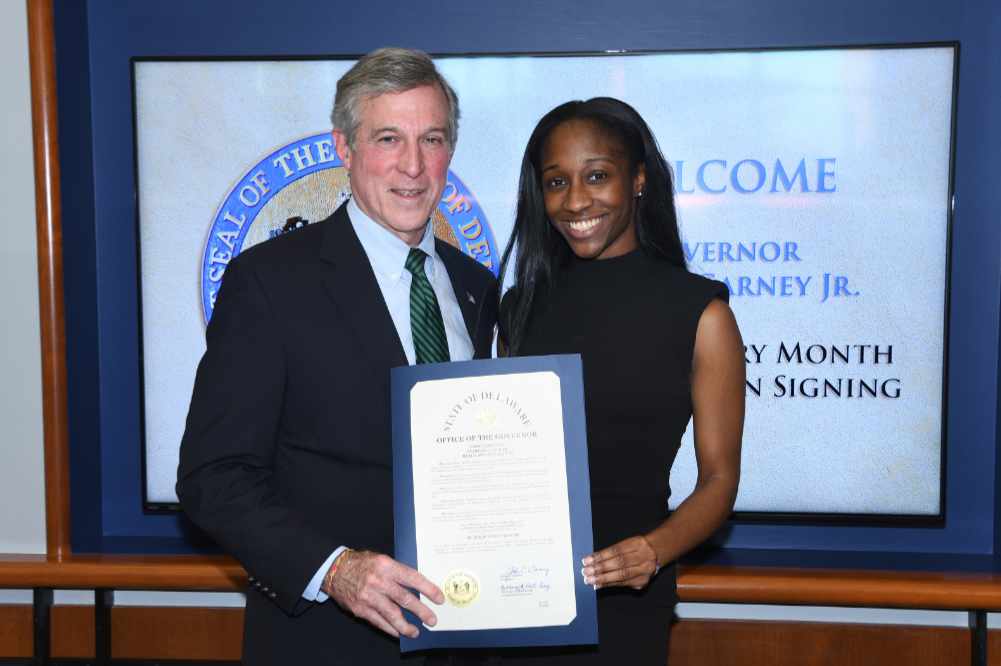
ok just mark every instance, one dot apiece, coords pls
pixel 386 251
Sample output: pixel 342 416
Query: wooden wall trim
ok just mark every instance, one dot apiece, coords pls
pixel 209 634
pixel 762 643
pixel 157 633
pixel 15 631
pixel 819 587
pixel 48 221
pixel 825 587
pixel 117 572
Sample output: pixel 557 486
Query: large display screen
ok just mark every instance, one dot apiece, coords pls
pixel 814 183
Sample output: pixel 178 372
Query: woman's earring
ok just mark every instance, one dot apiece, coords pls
pixel 639 195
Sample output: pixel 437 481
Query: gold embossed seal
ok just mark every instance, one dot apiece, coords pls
pixel 461 588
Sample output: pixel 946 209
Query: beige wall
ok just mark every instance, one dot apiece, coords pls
pixel 22 498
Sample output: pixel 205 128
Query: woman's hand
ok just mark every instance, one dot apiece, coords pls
pixel 629 563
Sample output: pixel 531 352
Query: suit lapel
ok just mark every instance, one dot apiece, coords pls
pixel 350 282
pixel 469 303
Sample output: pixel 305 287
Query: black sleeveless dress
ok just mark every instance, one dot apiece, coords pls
pixel 633 320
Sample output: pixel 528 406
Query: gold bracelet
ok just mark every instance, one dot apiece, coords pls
pixel 328 580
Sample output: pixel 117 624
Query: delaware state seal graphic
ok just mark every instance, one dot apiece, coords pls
pixel 304 182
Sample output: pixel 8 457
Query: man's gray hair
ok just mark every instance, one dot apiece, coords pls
pixel 388 70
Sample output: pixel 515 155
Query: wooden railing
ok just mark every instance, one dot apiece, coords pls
pixel 828 587
pixel 696 583
pixel 975 593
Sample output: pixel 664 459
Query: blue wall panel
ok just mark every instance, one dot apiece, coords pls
pixel 80 270
pixel 118 31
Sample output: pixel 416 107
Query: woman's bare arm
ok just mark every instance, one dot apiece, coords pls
pixel 718 373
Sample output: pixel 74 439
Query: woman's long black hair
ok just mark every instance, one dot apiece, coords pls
pixel 542 251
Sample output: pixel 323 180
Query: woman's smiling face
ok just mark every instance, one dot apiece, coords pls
pixel 590 190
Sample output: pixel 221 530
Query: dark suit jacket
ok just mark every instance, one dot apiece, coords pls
pixel 287 451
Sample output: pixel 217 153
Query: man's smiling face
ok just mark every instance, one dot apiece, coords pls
pixel 399 163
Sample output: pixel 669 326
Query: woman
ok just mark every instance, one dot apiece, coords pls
pixel 601 272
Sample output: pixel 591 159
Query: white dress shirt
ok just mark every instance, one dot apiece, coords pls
pixel 387 254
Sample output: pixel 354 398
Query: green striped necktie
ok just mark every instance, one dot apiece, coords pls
pixel 430 343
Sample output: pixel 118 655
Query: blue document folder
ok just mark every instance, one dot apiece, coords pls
pixel 582 629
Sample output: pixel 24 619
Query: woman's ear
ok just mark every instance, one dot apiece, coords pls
pixel 639 181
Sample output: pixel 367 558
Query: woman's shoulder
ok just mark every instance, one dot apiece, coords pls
pixel 688 287
pixel 708 288
pixel 686 298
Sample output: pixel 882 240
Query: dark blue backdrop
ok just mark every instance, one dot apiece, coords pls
pixel 96 39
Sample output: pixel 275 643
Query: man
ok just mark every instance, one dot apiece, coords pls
pixel 286 456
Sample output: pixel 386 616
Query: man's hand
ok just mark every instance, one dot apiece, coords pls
pixel 373 587
pixel 631 563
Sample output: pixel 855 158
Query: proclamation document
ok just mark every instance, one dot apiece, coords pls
pixel 491 481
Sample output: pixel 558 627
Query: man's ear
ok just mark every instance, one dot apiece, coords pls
pixel 342 148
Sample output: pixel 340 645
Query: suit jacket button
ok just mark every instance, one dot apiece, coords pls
pixel 273 595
